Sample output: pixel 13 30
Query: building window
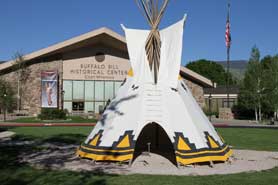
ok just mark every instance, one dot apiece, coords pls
pixel 78 106
pixel 117 85
pixel 88 96
pixel 99 90
pixel 109 90
pixel 89 107
pixel 68 106
pixel 89 90
pixel 67 85
pixel 99 106
pixel 78 90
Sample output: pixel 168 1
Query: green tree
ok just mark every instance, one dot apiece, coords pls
pixel 22 73
pixel 270 83
pixel 211 70
pixel 6 96
pixel 252 90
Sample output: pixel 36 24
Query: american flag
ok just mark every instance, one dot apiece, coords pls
pixel 228 30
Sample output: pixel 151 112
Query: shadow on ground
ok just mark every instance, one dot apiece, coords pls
pixel 14 169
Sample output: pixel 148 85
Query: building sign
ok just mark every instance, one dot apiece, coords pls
pixel 112 69
pixel 49 89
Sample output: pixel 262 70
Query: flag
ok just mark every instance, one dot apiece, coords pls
pixel 228 30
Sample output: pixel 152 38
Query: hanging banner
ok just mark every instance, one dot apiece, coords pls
pixel 49 89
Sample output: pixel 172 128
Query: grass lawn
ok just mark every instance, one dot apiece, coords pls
pixel 239 138
pixel 71 119
pixel 13 172
pixel 251 138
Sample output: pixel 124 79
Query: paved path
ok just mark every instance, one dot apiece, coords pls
pixel 216 123
pixel 241 124
pixel 11 124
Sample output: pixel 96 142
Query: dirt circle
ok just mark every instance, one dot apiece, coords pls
pixel 64 158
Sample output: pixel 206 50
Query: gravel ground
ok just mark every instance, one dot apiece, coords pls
pixel 63 158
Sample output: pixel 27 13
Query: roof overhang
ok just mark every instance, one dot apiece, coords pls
pixel 104 35
pixel 101 35
pixel 187 73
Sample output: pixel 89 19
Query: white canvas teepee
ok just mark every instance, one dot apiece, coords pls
pixel 158 115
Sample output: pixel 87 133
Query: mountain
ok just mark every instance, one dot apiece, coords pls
pixel 237 67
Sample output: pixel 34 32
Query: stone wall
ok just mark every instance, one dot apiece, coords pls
pixel 31 89
pixel 226 113
pixel 197 91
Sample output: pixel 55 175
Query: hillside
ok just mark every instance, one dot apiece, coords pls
pixel 237 67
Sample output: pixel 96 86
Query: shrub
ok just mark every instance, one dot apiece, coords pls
pixel 241 112
pixel 52 113
pixel 212 113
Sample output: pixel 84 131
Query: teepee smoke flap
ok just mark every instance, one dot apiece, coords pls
pixel 153 12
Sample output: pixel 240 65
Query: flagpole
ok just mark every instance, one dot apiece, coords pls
pixel 228 62
pixel 228 81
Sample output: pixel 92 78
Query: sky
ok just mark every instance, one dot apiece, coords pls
pixel 30 25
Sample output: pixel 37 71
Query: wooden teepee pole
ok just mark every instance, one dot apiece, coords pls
pixel 153 13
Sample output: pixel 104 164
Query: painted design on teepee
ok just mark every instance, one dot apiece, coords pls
pixel 96 139
pixel 124 142
pixel 121 150
pixel 183 87
pixel 182 145
pixel 212 143
pixel 130 72
pixel 214 152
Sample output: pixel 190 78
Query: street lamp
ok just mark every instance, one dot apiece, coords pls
pixel 210 107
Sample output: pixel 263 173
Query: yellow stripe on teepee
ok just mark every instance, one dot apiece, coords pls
pixel 213 144
pixel 124 143
pixel 179 78
pixel 130 72
pixel 182 145
pixel 95 140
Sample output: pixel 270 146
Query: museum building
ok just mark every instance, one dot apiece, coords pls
pixel 81 74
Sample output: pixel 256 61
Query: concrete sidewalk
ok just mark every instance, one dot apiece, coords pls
pixel 11 124
pixel 241 124
pixel 216 122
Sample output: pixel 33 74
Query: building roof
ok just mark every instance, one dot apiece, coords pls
pixel 196 77
pixel 221 90
pixel 101 35
pixel 79 41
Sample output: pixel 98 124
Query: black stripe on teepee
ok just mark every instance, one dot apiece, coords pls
pixel 115 143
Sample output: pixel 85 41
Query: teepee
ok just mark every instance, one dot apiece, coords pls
pixel 154 110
